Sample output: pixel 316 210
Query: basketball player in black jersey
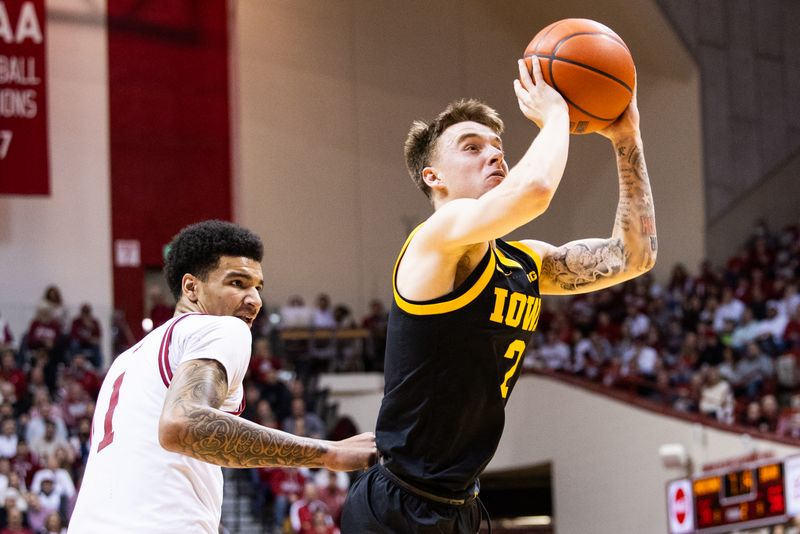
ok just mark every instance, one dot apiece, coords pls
pixel 466 302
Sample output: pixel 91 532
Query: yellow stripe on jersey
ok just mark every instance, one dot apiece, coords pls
pixel 435 308
pixel 529 251
pixel 505 260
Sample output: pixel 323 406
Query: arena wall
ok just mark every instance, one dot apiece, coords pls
pixel 773 199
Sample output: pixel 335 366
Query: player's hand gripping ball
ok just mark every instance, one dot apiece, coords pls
pixel 590 66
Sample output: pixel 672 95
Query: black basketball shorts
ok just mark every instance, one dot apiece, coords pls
pixel 376 505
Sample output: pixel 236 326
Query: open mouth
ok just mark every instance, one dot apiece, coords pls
pixel 247 319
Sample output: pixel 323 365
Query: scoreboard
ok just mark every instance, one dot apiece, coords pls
pixel 745 496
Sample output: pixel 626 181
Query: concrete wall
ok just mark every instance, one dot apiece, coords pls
pixel 748 54
pixel 606 472
pixel 64 239
pixel 326 93
pixel 775 199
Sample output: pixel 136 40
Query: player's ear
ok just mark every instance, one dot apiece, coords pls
pixel 190 286
pixel 431 177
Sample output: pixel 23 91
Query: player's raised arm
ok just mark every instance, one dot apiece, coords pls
pixel 590 264
pixel 478 198
pixel 191 423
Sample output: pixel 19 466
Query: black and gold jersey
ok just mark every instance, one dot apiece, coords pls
pixel 451 364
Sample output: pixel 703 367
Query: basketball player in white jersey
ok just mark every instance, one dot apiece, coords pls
pixel 165 418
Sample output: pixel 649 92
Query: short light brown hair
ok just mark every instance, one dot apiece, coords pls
pixel 421 140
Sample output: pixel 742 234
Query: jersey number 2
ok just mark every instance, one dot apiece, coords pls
pixel 108 429
pixel 514 352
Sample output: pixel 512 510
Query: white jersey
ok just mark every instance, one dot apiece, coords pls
pixel 131 483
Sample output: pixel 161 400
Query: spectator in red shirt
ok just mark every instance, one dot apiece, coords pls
pixel 44 330
pixel 85 335
pixel 53 301
pixel 24 464
pixel 262 362
pixel 15 523
pixel 76 401
pixel 321 524
pixel 13 374
pixel 286 484
pixel 302 511
pixel 81 371
pixel 333 492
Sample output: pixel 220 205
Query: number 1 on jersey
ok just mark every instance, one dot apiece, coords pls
pixel 108 429
pixel 514 352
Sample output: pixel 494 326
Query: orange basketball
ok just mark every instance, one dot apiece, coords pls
pixel 590 66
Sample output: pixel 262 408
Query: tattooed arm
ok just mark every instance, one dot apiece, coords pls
pixel 192 424
pixel 591 264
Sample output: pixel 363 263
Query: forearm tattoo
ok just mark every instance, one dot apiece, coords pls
pixel 635 220
pixel 220 438
pixel 633 245
pixel 581 264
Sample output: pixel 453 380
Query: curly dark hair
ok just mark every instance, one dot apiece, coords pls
pixel 421 141
pixel 196 249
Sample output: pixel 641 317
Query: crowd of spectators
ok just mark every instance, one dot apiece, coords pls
pixel 48 382
pixel 722 343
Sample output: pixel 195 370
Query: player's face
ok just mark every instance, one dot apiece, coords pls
pixel 233 289
pixel 469 160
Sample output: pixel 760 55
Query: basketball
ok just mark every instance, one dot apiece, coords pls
pixel 590 66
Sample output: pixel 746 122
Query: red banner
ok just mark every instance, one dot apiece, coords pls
pixel 24 155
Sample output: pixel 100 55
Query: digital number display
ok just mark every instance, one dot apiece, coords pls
pixel 706 486
pixel 738 483
pixel 768 473
pixel 739 496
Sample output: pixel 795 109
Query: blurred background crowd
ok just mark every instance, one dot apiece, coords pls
pixel 722 342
